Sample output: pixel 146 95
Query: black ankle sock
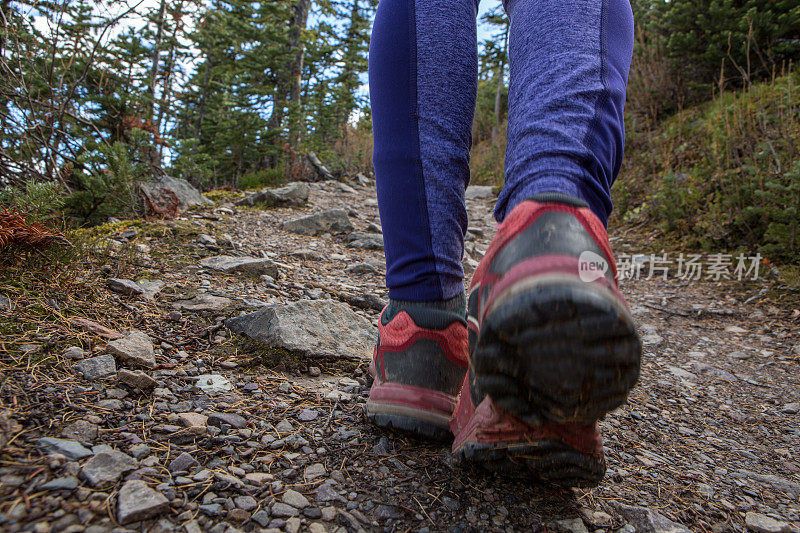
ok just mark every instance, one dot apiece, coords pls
pixel 457 305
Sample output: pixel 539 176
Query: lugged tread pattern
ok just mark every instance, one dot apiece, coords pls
pixel 547 461
pixel 564 352
pixel 408 424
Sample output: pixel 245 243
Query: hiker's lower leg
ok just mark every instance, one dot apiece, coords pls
pixel 569 64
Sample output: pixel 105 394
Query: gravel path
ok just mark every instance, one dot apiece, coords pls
pixel 144 412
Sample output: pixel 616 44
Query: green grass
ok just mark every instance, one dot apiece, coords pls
pixel 262 179
pixel 219 196
pixel 722 176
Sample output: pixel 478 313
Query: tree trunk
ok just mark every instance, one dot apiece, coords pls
pixel 299 22
pixel 167 93
pixel 151 88
pixel 204 91
pixel 348 71
pixel 500 85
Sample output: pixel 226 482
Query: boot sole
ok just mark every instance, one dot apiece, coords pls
pixel 409 420
pixel 555 348
pixel 546 461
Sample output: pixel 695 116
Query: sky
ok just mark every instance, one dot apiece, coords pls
pixel 483 8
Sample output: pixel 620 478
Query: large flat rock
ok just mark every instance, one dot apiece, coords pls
pixel 331 221
pixel 249 265
pixel 315 328
pixel 294 194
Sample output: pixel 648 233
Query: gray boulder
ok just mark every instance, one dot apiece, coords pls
pixel 135 348
pixel 315 328
pixel 107 467
pixel 334 220
pixel 366 241
pixel 102 366
pixel 164 191
pixel 648 521
pixel 136 501
pixel 250 265
pixel 295 194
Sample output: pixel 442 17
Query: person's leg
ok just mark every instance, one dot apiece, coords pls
pixel 553 346
pixel 569 64
pixel 423 83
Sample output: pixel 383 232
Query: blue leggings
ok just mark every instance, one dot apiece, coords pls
pixel 569 62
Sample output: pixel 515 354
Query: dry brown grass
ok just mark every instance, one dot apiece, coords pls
pixel 16 230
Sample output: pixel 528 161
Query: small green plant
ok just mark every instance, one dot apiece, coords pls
pixel 261 179
pixel 672 200
pixel 192 165
pixel 780 205
pixel 106 182
pixel 38 201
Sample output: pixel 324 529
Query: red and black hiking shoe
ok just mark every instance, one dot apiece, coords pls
pixel 563 454
pixel 552 344
pixel 418 367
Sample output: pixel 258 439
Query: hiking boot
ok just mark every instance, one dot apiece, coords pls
pixel 552 344
pixel 570 455
pixel 419 364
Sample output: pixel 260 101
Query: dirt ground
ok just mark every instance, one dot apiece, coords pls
pixel 709 439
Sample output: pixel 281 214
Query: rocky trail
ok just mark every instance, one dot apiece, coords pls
pixel 209 373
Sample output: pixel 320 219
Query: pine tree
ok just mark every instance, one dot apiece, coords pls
pixel 492 62
pixel 724 42
pixel 354 48
pixel 244 52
